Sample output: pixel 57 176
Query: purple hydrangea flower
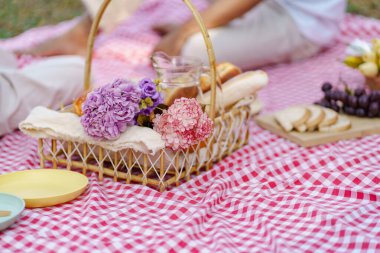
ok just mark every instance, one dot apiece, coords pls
pixel 109 110
pixel 149 90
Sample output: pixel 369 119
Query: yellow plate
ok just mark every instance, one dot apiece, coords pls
pixel 44 187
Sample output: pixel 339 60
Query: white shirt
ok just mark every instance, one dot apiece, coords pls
pixel 318 20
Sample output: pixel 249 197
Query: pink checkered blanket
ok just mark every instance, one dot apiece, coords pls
pixel 270 196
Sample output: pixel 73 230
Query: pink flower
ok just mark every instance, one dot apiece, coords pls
pixel 183 125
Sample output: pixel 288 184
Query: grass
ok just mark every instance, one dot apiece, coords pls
pixel 370 8
pixel 17 16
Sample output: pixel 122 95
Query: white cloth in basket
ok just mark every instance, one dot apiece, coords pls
pixel 46 123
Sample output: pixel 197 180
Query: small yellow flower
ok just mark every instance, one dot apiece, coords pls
pixel 142 105
pixel 149 102
pixel 157 81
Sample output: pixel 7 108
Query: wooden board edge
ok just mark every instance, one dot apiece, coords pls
pixel 262 121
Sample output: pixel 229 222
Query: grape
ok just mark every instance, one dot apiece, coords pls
pixel 334 95
pixel 352 101
pixel 343 96
pixel 374 96
pixel 363 101
pixel 326 103
pixel 360 112
pixel 328 95
pixel 323 102
pixel 349 110
pixel 326 86
pixel 335 107
pixel 331 104
pixel 359 91
pixel 371 115
pixel 374 108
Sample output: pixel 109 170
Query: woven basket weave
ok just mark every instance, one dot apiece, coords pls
pixel 165 168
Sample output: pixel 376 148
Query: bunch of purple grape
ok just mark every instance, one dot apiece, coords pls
pixel 356 102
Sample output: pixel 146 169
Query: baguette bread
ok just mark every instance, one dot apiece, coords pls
pixel 243 85
pixel 342 124
pixel 292 117
pixel 225 72
pixel 330 118
pixel 78 104
pixel 205 82
pixel 256 107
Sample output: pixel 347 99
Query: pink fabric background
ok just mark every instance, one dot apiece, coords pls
pixel 270 196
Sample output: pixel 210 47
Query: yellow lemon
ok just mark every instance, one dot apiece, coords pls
pixel 370 57
pixel 353 61
pixel 369 69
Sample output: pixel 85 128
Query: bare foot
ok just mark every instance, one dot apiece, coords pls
pixel 72 42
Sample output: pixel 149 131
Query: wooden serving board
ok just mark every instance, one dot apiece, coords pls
pixel 360 127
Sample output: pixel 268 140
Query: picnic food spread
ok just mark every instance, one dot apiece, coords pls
pixel 329 190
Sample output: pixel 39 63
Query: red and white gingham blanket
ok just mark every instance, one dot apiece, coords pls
pixel 270 196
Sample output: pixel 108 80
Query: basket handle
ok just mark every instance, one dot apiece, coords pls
pixel 206 37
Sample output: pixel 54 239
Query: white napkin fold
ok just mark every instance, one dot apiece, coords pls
pixel 46 123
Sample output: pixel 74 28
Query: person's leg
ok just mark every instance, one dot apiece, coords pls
pixel 7 59
pixel 74 41
pixel 71 42
pixel 50 83
pixel 264 36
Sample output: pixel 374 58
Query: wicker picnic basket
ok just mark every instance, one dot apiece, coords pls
pixel 166 167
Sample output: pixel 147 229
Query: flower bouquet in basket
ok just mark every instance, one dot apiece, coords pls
pixel 108 111
pixel 366 58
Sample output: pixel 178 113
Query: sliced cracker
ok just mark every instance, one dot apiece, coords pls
pixel 302 128
pixel 330 118
pixel 342 124
pixel 292 117
pixel 316 117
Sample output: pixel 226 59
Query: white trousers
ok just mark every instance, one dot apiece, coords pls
pixel 267 34
pixel 51 83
